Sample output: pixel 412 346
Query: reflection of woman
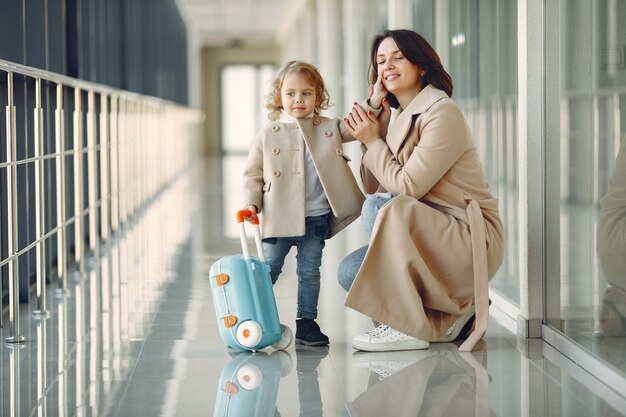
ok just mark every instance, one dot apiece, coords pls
pixel 437 237
pixel 440 383
pixel 611 248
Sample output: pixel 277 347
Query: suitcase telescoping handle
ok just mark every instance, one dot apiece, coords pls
pixel 241 215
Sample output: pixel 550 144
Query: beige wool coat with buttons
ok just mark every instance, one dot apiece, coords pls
pixel 435 246
pixel 274 175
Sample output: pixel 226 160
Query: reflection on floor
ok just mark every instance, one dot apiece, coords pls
pixel 137 336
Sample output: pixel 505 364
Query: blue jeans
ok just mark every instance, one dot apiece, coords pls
pixel 309 260
pixel 351 263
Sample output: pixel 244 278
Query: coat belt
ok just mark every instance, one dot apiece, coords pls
pixel 481 274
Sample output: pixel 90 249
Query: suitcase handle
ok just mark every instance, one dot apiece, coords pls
pixel 241 215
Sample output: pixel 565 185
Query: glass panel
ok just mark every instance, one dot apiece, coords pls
pixel 588 301
pixel 482 61
pixel 238 105
pixel 243 92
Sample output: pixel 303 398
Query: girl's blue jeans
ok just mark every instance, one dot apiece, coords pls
pixel 351 263
pixel 309 260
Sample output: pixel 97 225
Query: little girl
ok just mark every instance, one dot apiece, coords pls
pixel 298 179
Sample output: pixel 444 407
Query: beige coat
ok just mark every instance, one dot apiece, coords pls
pixel 274 175
pixel 419 282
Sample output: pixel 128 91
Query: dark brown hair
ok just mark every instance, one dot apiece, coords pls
pixel 322 98
pixel 419 52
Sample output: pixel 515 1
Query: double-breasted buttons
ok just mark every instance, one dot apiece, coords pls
pixel 339 151
pixel 276 173
pixel 316 122
pixel 275 151
pixel 275 128
pixel 328 133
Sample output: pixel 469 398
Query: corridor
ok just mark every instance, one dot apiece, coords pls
pixel 147 343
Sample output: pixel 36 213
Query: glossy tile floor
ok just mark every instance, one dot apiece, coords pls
pixel 136 335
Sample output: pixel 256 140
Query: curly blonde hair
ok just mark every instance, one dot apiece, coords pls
pixel 273 100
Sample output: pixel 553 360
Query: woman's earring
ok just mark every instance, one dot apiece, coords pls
pixel 422 73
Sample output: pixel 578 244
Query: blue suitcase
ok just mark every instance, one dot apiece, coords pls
pixel 243 297
pixel 249 384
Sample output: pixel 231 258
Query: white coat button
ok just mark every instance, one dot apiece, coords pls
pixel 275 151
pixel 328 133
pixel 275 128
pixel 339 151
pixel 316 122
pixel 276 173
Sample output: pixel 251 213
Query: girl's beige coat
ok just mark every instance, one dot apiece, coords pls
pixel 436 245
pixel 274 175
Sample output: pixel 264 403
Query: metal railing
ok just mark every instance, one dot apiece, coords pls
pixel 125 148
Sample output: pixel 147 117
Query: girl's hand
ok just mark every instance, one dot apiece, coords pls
pixel 378 97
pixel 377 93
pixel 364 126
pixel 252 209
pixel 384 118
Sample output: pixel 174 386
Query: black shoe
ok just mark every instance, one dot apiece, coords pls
pixel 309 333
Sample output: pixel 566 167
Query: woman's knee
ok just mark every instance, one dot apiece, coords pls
pixel 371 207
pixel 345 279
pixel 368 214
pixel 349 267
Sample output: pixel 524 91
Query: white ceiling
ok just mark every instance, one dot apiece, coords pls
pixel 235 22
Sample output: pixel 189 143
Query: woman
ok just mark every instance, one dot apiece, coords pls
pixel 611 248
pixel 436 236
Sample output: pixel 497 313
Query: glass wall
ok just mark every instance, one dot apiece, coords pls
pixel 139 46
pixel 482 60
pixel 586 171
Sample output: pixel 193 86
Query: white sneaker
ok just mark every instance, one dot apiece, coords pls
pixel 388 368
pixel 386 364
pixel 384 338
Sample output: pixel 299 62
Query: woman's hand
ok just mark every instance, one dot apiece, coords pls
pixel 364 126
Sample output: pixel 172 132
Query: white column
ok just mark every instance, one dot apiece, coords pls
pixel 400 14
pixel 552 177
pixel 194 67
pixel 442 31
pixel 355 54
pixel 329 52
pixel 531 165
pixel 296 31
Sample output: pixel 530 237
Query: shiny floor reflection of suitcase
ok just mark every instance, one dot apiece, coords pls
pixel 244 300
pixel 249 384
